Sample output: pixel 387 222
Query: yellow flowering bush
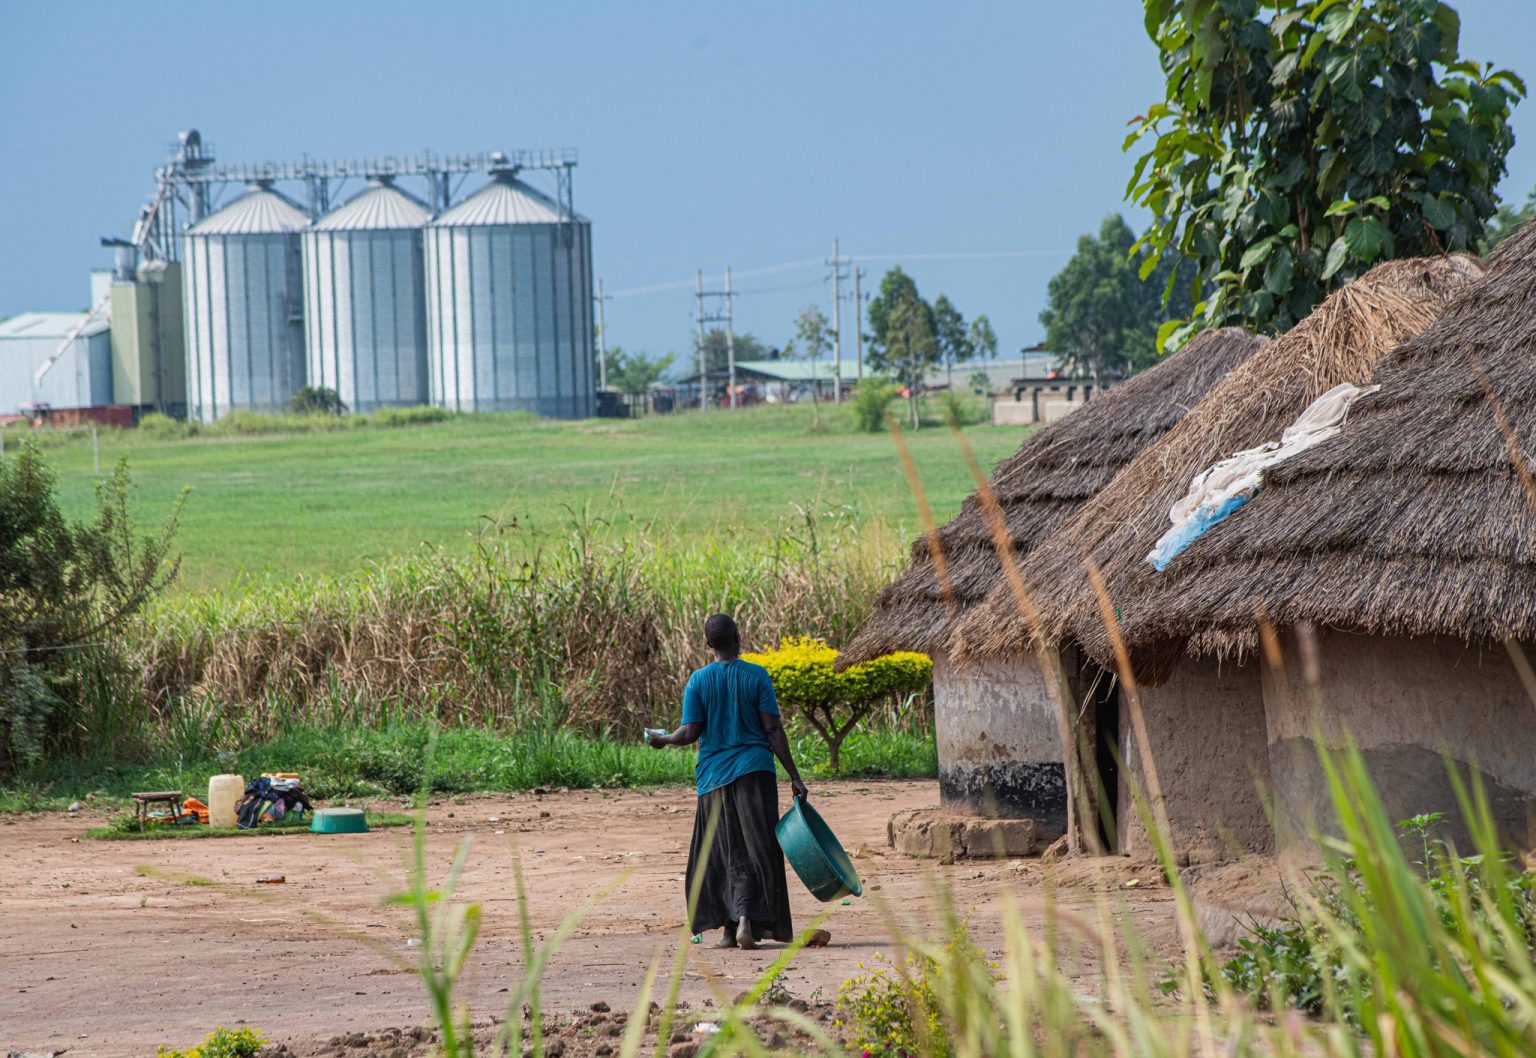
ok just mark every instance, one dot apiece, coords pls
pixel 832 702
pixel 221 1043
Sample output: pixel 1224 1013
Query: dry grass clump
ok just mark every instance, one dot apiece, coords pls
pixel 589 630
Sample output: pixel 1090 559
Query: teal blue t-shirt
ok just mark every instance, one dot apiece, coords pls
pixel 726 696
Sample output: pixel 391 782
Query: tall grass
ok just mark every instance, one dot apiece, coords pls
pixel 593 630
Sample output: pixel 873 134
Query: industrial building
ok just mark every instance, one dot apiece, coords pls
pixel 241 284
pixel 80 375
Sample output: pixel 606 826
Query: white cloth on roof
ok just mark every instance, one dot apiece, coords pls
pixel 1221 489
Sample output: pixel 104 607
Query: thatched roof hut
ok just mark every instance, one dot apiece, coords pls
pixel 1341 341
pixel 1038 488
pixel 1417 520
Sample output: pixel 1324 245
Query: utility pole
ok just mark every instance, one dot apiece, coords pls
pixel 837 263
pixel 602 340
pixel 725 315
pixel 703 367
pixel 858 323
pixel 730 338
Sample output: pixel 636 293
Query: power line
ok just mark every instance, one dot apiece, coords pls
pixel 817 262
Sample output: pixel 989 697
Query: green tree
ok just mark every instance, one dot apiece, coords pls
pixel 1101 317
pixel 896 287
pixel 635 373
pixel 950 333
pixel 66 590
pixel 1298 143
pixel 813 334
pixel 1507 220
pixel 982 338
pixel 910 348
pixel 748 347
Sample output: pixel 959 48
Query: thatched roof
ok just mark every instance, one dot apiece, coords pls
pixel 1038 488
pixel 1414 520
pixel 1341 341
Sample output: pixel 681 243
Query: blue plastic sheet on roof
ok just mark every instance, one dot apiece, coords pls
pixel 1169 546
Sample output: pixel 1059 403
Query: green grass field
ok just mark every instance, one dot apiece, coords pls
pixel 330 502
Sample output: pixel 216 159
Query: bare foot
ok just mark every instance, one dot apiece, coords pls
pixel 727 939
pixel 744 939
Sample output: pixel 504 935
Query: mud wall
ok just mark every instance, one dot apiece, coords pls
pixel 1207 731
pixel 1407 703
pixel 999 754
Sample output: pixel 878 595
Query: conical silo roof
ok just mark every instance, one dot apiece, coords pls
pixel 505 200
pixel 380 205
pixel 260 211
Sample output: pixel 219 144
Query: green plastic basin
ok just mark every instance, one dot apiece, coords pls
pixel 813 851
pixel 339 821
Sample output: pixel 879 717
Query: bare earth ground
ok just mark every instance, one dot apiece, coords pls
pixel 110 948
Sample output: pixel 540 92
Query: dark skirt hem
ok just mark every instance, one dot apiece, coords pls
pixel 743 866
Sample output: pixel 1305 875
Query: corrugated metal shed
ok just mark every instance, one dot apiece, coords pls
pixel 81 378
pixel 506 200
pixel 260 211
pixel 379 206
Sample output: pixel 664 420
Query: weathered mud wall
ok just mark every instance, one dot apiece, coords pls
pixel 1409 704
pixel 999 754
pixel 1206 726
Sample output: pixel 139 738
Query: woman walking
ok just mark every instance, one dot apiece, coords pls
pixel 730 710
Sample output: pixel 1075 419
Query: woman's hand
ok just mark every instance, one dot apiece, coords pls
pixel 799 790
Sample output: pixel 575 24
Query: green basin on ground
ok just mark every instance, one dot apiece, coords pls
pixel 339 821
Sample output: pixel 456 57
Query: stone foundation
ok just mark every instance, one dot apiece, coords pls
pixel 937 834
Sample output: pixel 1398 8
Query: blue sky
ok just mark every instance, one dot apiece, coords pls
pixel 971 141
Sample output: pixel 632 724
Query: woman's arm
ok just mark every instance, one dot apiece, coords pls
pixel 685 735
pixel 773 727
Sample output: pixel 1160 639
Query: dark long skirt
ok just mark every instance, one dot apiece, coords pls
pixel 744 868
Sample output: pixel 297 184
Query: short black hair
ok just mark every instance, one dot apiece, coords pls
pixel 720 633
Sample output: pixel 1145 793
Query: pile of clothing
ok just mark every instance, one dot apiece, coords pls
pixel 270 798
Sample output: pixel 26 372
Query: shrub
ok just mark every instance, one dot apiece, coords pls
pixel 155 424
pixel 870 400
pixel 317 400
pixel 66 590
pixel 833 702
pixel 220 1043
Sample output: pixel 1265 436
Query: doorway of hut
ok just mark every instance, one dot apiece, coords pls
pixel 1096 691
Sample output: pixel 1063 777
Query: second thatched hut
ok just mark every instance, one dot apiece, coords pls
pixel 1398 563
pixel 1206 726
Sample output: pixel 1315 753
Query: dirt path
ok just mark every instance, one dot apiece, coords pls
pixel 110 951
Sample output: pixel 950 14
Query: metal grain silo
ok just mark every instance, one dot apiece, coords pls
pixel 244 306
pixel 365 315
pixel 509 304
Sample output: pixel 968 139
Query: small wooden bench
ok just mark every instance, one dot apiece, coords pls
pixel 142 801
